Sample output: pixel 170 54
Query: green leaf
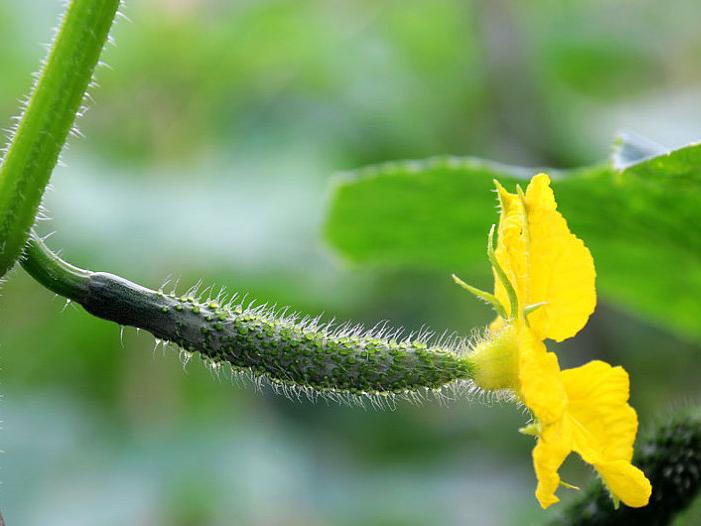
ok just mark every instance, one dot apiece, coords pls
pixel 640 222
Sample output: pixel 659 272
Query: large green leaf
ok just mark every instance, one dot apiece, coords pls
pixel 641 219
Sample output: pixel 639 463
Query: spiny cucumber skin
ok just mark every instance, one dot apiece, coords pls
pixel 671 459
pixel 282 350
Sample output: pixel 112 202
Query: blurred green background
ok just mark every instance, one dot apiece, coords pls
pixel 207 156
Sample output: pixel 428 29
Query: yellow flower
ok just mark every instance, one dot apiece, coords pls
pixel 544 288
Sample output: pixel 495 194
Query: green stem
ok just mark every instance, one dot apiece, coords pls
pixel 47 120
pixel 54 273
pixel 283 349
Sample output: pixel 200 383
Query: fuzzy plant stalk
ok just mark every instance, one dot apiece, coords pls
pixel 295 353
pixel 48 118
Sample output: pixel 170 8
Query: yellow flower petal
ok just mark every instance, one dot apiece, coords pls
pixel 605 425
pixel 548 455
pixel 544 261
pixel 584 409
pixel 561 269
pixel 539 374
pixel 626 482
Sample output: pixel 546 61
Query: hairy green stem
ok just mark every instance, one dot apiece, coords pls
pixel 283 349
pixel 48 119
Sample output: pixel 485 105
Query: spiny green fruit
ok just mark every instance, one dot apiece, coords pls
pixel 284 349
pixel 290 352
